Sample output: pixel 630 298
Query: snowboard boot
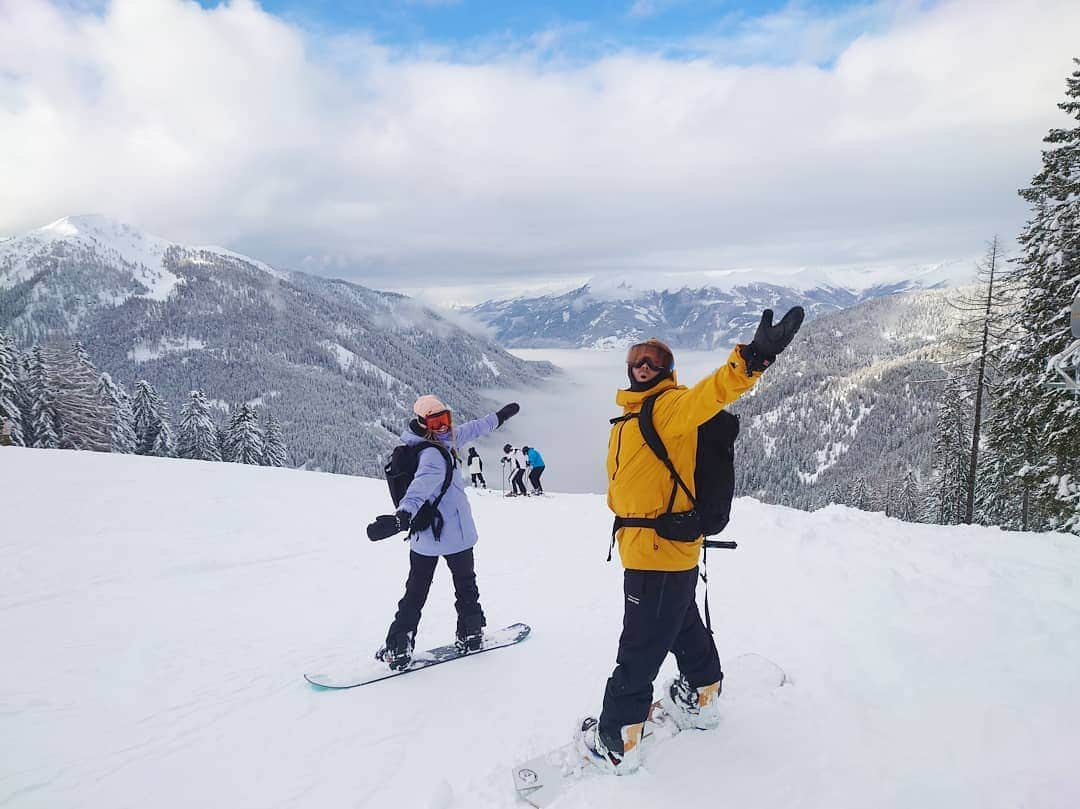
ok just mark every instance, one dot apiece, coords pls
pixel 397 651
pixel 470 634
pixel 620 757
pixel 692 707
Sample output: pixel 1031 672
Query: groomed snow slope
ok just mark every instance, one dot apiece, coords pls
pixel 157 616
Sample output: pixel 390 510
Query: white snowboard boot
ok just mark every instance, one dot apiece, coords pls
pixel 591 745
pixel 692 707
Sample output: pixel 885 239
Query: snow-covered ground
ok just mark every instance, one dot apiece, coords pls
pixel 157 617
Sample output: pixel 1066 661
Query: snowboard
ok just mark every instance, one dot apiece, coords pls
pixel 372 672
pixel 542 780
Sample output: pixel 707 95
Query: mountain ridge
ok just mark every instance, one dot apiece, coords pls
pixel 340 363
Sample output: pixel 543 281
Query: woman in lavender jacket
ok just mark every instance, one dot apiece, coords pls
pixel 433 423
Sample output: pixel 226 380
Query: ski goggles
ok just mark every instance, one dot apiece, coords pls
pixel 649 354
pixel 438 422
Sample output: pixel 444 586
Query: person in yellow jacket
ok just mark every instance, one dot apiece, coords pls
pixel 660 614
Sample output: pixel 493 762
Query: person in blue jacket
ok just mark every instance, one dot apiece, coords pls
pixel 536 461
pixel 455 542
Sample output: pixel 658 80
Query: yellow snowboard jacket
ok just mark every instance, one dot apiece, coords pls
pixel 639 485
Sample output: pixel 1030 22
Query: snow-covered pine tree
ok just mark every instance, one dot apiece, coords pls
pixel 244 440
pixel 122 427
pixel 908 498
pixel 950 455
pixel 153 433
pixel 1031 413
pixel 10 390
pixel 85 417
pixel 223 441
pixel 274 451
pixel 858 495
pixel 164 446
pixel 996 493
pixel 44 424
pixel 197 437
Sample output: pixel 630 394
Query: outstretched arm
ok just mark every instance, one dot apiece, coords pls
pixel 477 428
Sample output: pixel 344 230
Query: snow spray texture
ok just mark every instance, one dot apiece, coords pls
pixel 400 471
pixel 714 478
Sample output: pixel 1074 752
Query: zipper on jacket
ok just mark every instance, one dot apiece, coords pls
pixel 618 449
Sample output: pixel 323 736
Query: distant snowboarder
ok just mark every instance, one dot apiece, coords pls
pixel 515 462
pixel 446 529
pixel 536 468
pixel 655 527
pixel 476 469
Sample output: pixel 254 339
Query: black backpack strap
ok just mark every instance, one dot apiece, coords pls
pixel 437 522
pixel 656 444
pixel 449 477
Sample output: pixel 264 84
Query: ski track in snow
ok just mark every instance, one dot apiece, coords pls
pixel 158 616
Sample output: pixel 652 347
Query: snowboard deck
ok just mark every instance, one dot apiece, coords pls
pixel 542 780
pixel 375 670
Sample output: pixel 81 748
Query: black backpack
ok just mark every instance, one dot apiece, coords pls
pixel 400 471
pixel 714 478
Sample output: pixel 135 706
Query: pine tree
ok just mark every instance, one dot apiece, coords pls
pixel 152 430
pixel 948 492
pixel 84 416
pixel 198 436
pixel 859 495
pixel 10 390
pixel 1032 413
pixel 274 451
pixel 244 440
pixel 908 498
pixel 996 501
pixel 122 427
pixel 41 399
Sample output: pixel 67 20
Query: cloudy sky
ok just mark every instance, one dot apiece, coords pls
pixel 443 144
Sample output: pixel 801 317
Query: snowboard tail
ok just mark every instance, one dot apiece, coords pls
pixel 375 671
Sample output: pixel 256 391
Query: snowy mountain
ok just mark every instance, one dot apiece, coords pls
pixel 846 415
pixel 699 318
pixel 158 616
pixel 339 364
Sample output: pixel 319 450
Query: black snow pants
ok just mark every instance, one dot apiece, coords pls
pixel 478 478
pixel 534 478
pixel 516 479
pixel 659 615
pixel 421 572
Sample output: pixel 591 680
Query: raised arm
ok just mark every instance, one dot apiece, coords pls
pixel 478 428
pixel 686 410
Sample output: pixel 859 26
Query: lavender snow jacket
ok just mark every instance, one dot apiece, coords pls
pixel 459 530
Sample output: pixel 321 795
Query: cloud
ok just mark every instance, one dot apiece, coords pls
pixel 422 168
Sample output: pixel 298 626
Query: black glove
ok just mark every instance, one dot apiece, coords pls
pixel 506 411
pixel 769 340
pixel 403 519
pixel 385 525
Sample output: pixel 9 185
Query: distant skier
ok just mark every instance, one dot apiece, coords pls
pixel 476 469
pixel 660 613
pixel 456 530
pixel 516 462
pixel 536 468
pixel 5 433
